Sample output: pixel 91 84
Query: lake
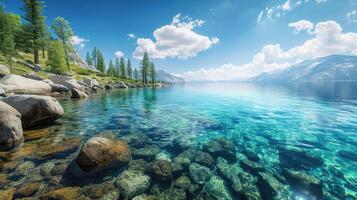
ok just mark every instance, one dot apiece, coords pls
pixel 295 141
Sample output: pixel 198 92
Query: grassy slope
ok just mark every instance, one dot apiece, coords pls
pixel 77 72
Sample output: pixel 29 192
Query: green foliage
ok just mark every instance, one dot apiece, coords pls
pixel 136 74
pixel 122 68
pixel 153 73
pixel 100 62
pixel 57 58
pixel 129 69
pixel 145 68
pixel 89 59
pixel 111 69
pixel 34 25
pixel 117 67
pixel 7 43
pixel 95 56
pixel 64 33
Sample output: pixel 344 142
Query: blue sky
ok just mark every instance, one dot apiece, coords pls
pixel 210 39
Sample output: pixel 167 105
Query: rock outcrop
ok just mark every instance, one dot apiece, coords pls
pixel 11 133
pixel 22 85
pixel 35 110
pixel 99 153
pixel 71 83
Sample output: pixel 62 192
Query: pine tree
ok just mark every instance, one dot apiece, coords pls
pixel 57 58
pixel 7 44
pixel 35 25
pixel 111 69
pixel 136 74
pixel 122 68
pixel 129 70
pixel 145 68
pixel 89 59
pixel 117 67
pixel 152 73
pixel 100 62
pixel 95 56
pixel 64 32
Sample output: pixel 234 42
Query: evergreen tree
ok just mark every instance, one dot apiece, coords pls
pixel 95 56
pixel 145 68
pixel 35 25
pixel 100 61
pixel 64 32
pixel 7 44
pixel 136 74
pixel 89 59
pixel 117 67
pixel 111 69
pixel 129 69
pixel 122 68
pixel 152 73
pixel 57 58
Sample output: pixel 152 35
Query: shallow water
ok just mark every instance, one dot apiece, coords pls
pixel 270 124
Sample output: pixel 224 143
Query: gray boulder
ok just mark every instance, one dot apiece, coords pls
pixel 22 85
pixel 11 133
pixel 77 94
pixel 4 69
pixel 132 183
pixel 71 83
pixel 35 110
pixel 2 92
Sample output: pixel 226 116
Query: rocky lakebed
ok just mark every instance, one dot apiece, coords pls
pixel 45 155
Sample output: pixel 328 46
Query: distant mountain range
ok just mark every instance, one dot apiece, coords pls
pixel 169 78
pixel 325 69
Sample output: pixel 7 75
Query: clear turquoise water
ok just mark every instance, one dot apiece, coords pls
pixel 315 118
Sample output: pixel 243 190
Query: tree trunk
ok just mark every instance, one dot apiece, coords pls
pixel 43 53
pixel 35 57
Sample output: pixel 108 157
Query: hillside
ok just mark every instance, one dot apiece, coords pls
pixel 168 78
pixel 326 69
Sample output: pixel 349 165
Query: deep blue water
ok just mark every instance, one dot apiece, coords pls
pixel 270 124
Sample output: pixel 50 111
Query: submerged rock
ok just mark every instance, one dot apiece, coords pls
pixel 221 147
pixel 148 153
pixel 173 194
pixel 198 173
pixel 217 188
pixel 138 165
pixel 132 183
pixel 271 188
pixel 163 156
pixel 113 195
pixel 145 197
pixel 67 193
pixel 183 182
pixel 22 85
pixel 294 158
pixel 27 190
pixel 161 170
pixel 308 185
pixel 98 153
pixel 11 133
pixel 35 110
pixel 230 173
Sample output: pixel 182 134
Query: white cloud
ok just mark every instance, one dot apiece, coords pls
pixel 132 36
pixel 77 41
pixel 119 54
pixel 328 39
pixel 302 25
pixel 176 40
pixel 352 16
pixel 279 10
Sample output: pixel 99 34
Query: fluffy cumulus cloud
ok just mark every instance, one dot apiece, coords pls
pixel 119 54
pixel 279 10
pixel 176 40
pixel 302 25
pixel 328 38
pixel 352 16
pixel 77 41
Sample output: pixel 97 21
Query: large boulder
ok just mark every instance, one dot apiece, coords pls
pixel 4 69
pixel 71 83
pixel 6 89
pixel 11 133
pixel 161 170
pixel 2 92
pixel 99 153
pixel 132 183
pixel 91 83
pixel 33 76
pixel 217 188
pixel 35 110
pixel 198 173
pixel 22 85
